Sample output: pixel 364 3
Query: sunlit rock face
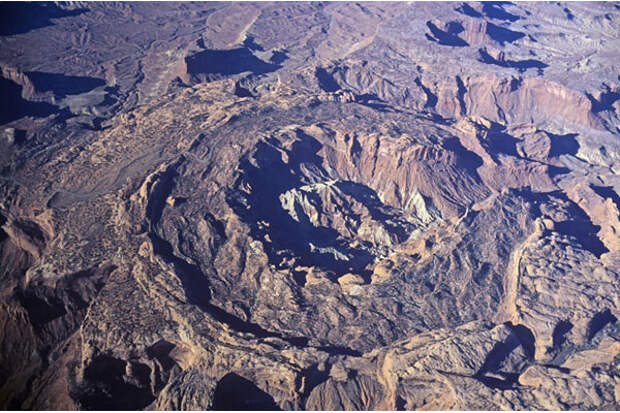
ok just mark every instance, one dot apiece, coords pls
pixel 334 206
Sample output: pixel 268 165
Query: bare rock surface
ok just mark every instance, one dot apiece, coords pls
pixel 320 206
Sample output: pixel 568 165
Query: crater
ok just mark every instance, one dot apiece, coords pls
pixel 309 216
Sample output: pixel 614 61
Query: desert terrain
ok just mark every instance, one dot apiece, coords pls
pixel 310 206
